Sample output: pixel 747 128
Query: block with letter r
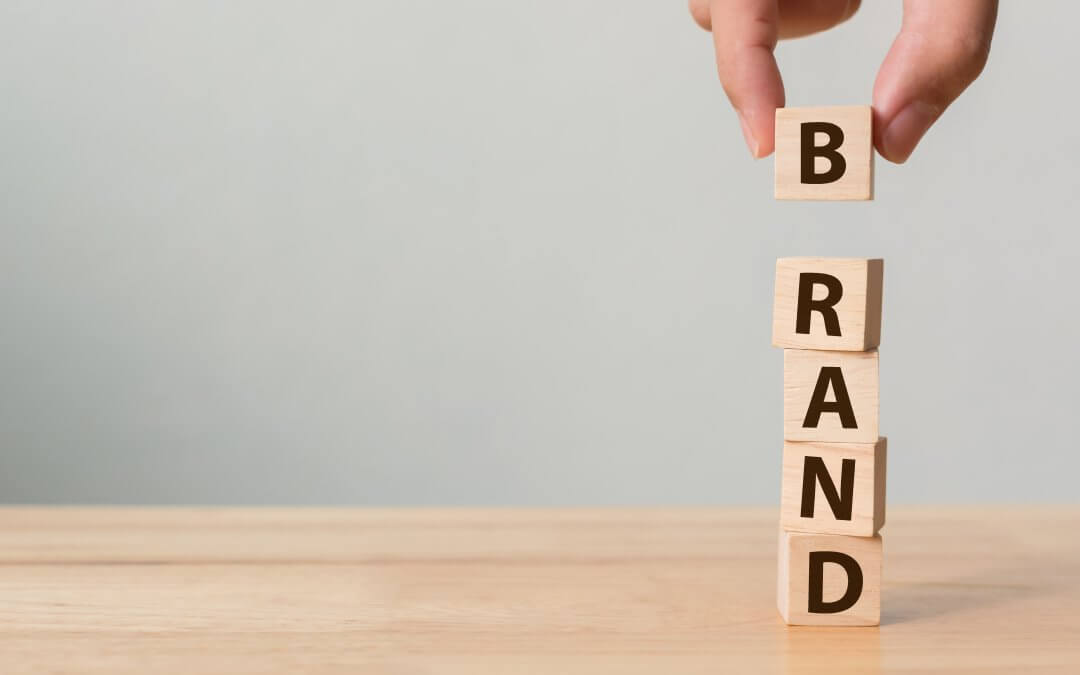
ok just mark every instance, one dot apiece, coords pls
pixel 831 304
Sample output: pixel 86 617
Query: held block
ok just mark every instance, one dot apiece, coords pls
pixel 824 153
pixel 829 580
pixel 828 303
pixel 834 488
pixel 830 396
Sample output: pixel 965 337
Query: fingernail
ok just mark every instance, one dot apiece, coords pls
pixel 906 129
pixel 751 142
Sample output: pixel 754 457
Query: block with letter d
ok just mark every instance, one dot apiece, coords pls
pixel 829 580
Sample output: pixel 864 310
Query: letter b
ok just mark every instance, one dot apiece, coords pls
pixel 810 151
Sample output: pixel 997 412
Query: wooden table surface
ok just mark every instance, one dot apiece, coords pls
pixel 627 591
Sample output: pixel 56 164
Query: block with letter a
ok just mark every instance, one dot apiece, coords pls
pixel 827 317
pixel 830 396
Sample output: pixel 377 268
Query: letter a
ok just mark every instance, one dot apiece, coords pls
pixel 841 406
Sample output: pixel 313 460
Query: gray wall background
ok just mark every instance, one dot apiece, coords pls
pixel 488 252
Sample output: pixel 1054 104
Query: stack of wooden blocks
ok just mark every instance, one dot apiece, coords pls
pixel 827 318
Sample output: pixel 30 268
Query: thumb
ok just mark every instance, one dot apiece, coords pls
pixel 941 49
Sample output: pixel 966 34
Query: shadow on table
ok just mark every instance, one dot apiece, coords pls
pixel 904 602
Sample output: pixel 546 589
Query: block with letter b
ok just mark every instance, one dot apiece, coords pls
pixel 824 153
pixel 834 488
pixel 828 303
pixel 830 396
pixel 829 580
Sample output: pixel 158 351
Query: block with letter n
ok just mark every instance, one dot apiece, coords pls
pixel 834 488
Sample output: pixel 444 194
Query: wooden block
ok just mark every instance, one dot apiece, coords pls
pixel 828 303
pixel 824 153
pixel 834 488
pixel 829 579
pixel 830 396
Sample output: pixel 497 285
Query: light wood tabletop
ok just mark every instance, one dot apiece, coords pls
pixel 972 590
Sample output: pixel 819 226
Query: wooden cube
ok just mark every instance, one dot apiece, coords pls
pixel 829 579
pixel 834 488
pixel 830 396
pixel 828 303
pixel 824 153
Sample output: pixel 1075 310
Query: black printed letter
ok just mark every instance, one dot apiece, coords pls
pixel 807 304
pixel 840 502
pixel 837 164
pixel 816 602
pixel 818 404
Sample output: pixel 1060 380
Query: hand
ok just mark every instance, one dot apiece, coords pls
pixel 941 49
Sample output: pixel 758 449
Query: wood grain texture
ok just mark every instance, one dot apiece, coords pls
pixel 858 311
pixel 867 496
pixel 792 577
pixel 857 149
pixel 119 591
pixel 802 371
